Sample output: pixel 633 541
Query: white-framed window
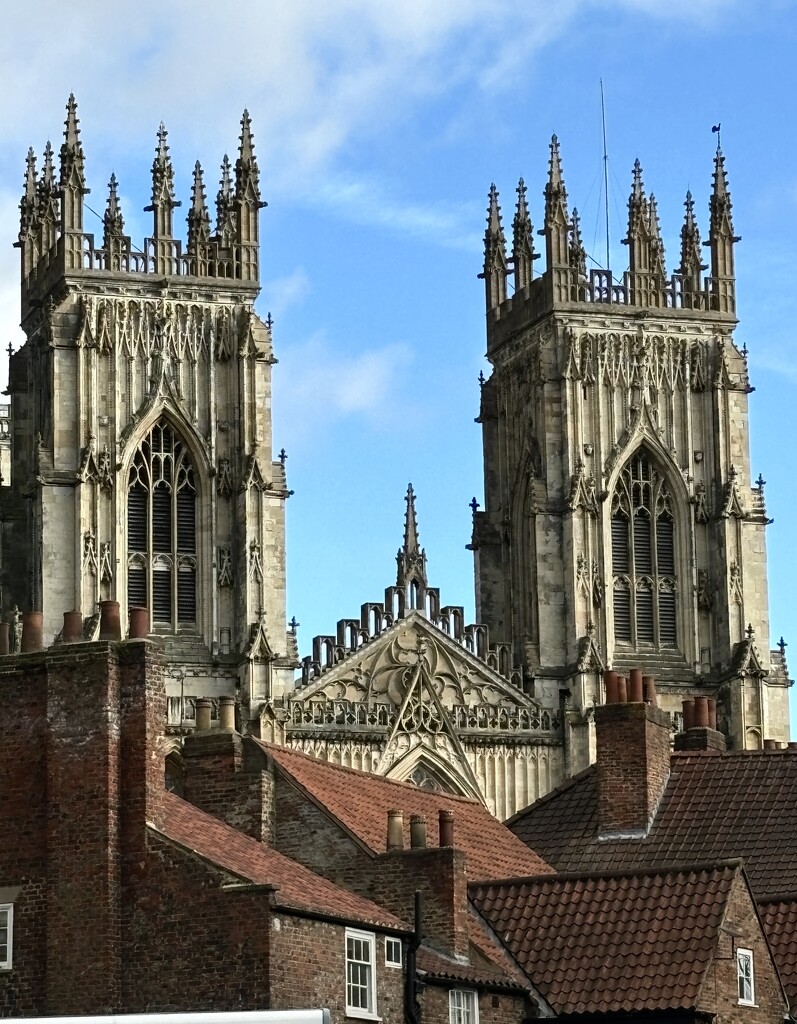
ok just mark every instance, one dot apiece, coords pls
pixel 745 977
pixel 393 957
pixel 360 973
pixel 463 1006
pixel 6 935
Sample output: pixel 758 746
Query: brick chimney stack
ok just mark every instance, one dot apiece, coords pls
pixel 700 727
pixel 633 741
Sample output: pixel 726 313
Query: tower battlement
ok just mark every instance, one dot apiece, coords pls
pixel 568 283
pixel 54 244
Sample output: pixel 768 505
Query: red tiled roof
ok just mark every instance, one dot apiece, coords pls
pixel 240 855
pixel 360 802
pixel 715 807
pixel 490 964
pixel 613 943
pixel 780 925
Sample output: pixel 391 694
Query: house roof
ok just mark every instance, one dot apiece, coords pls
pixel 612 943
pixel 715 806
pixel 297 888
pixel 360 802
pixel 779 918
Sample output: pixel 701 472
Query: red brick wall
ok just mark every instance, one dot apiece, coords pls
pixel 493 1008
pixel 309 969
pixel 23 818
pixel 742 930
pixel 189 943
pixel 633 742
pixel 229 777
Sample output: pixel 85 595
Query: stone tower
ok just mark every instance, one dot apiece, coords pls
pixel 142 467
pixel 622 526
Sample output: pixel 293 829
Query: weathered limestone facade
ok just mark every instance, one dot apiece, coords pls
pixel 142 467
pixel 409 691
pixel 621 524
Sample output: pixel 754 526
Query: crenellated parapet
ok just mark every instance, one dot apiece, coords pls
pixel 54 243
pixel 569 282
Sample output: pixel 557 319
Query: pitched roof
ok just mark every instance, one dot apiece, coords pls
pixel 252 861
pixel 360 802
pixel 612 943
pixel 715 807
pixel 780 925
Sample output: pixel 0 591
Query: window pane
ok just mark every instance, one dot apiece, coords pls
pixel 643 561
pixel 667 625
pixel 619 544
pixel 161 519
pixel 136 587
pixel 186 521
pixel 137 519
pixel 622 615
pixel 644 616
pixel 186 595
pixel 162 594
pixel 665 548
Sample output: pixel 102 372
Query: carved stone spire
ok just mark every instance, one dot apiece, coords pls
pixel 411 558
pixel 495 262
pixel 721 240
pixel 72 178
pixel 638 239
pixel 163 201
pixel 523 254
pixel 247 201
pixel 247 174
pixel 225 213
pixel 577 252
pixel 113 222
pixel 557 220
pixel 46 203
pixel 198 216
pixel 657 258
pixel 691 266
pixel 28 206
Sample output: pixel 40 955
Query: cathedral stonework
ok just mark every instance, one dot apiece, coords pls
pixel 621 526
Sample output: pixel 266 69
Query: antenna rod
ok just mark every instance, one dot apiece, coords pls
pixel 605 176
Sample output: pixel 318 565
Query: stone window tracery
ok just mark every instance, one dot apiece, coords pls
pixel 161 529
pixel 643 557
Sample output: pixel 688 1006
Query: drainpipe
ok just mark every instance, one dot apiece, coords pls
pixel 411 1007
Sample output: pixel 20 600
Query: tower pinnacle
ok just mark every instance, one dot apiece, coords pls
pixel 225 214
pixel 112 220
pixel 72 179
pixel 198 216
pixel 722 240
pixel 163 201
pixel 411 557
pixel 523 254
pixel 495 262
pixel 557 220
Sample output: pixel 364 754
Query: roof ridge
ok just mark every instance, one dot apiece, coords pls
pixel 275 748
pixel 641 872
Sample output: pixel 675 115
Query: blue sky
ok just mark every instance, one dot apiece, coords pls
pixel 379 128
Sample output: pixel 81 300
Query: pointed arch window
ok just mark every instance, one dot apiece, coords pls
pixel 643 557
pixel 161 529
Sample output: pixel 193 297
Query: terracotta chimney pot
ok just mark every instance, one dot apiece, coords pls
pixel 701 713
pixel 110 622
pixel 203 706
pixel 622 690
pixel 610 683
pixel 32 632
pixel 395 829
pixel 689 714
pixel 635 686
pixel 446 819
pixel 139 623
pixel 72 632
pixel 227 712
pixel 792 746
pixel 417 832
pixel 770 745
pixel 712 712
pixel 649 694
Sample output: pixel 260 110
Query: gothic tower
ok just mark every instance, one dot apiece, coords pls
pixel 622 527
pixel 142 467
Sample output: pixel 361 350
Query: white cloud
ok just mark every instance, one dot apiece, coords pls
pixel 281 293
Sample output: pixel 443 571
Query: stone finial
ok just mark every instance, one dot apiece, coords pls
pixel 28 206
pixel 163 201
pixel 721 239
pixel 577 252
pixel 411 557
pixel 523 254
pixel 198 216
pixel 495 261
pixel 557 219
pixel 247 174
pixel 691 265
pixel 112 220
pixel 225 214
pixel 657 257
pixel 72 157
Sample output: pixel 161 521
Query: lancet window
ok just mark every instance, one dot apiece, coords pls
pixel 161 529
pixel 643 557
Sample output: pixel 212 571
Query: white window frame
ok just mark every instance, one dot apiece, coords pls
pixel 7 909
pixel 745 957
pixel 392 957
pixel 463 1006
pixel 368 940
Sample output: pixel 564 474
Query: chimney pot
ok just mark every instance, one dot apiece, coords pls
pixel 649 694
pixel 395 829
pixel 417 832
pixel 622 690
pixel 32 632
pixel 110 623
pixel 139 623
pixel 712 712
pixel 770 745
pixel 792 746
pixel 446 819
pixel 227 712
pixel 610 683
pixel 72 632
pixel 4 637
pixel 700 720
pixel 203 706
pixel 689 714
pixel 635 686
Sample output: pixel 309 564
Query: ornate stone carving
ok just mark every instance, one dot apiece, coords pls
pixel 700 501
pixel 90 553
pixel 106 568
pixel 225 566
pixel 255 562
pixel 705 597
pixel 731 499
pixel 224 484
